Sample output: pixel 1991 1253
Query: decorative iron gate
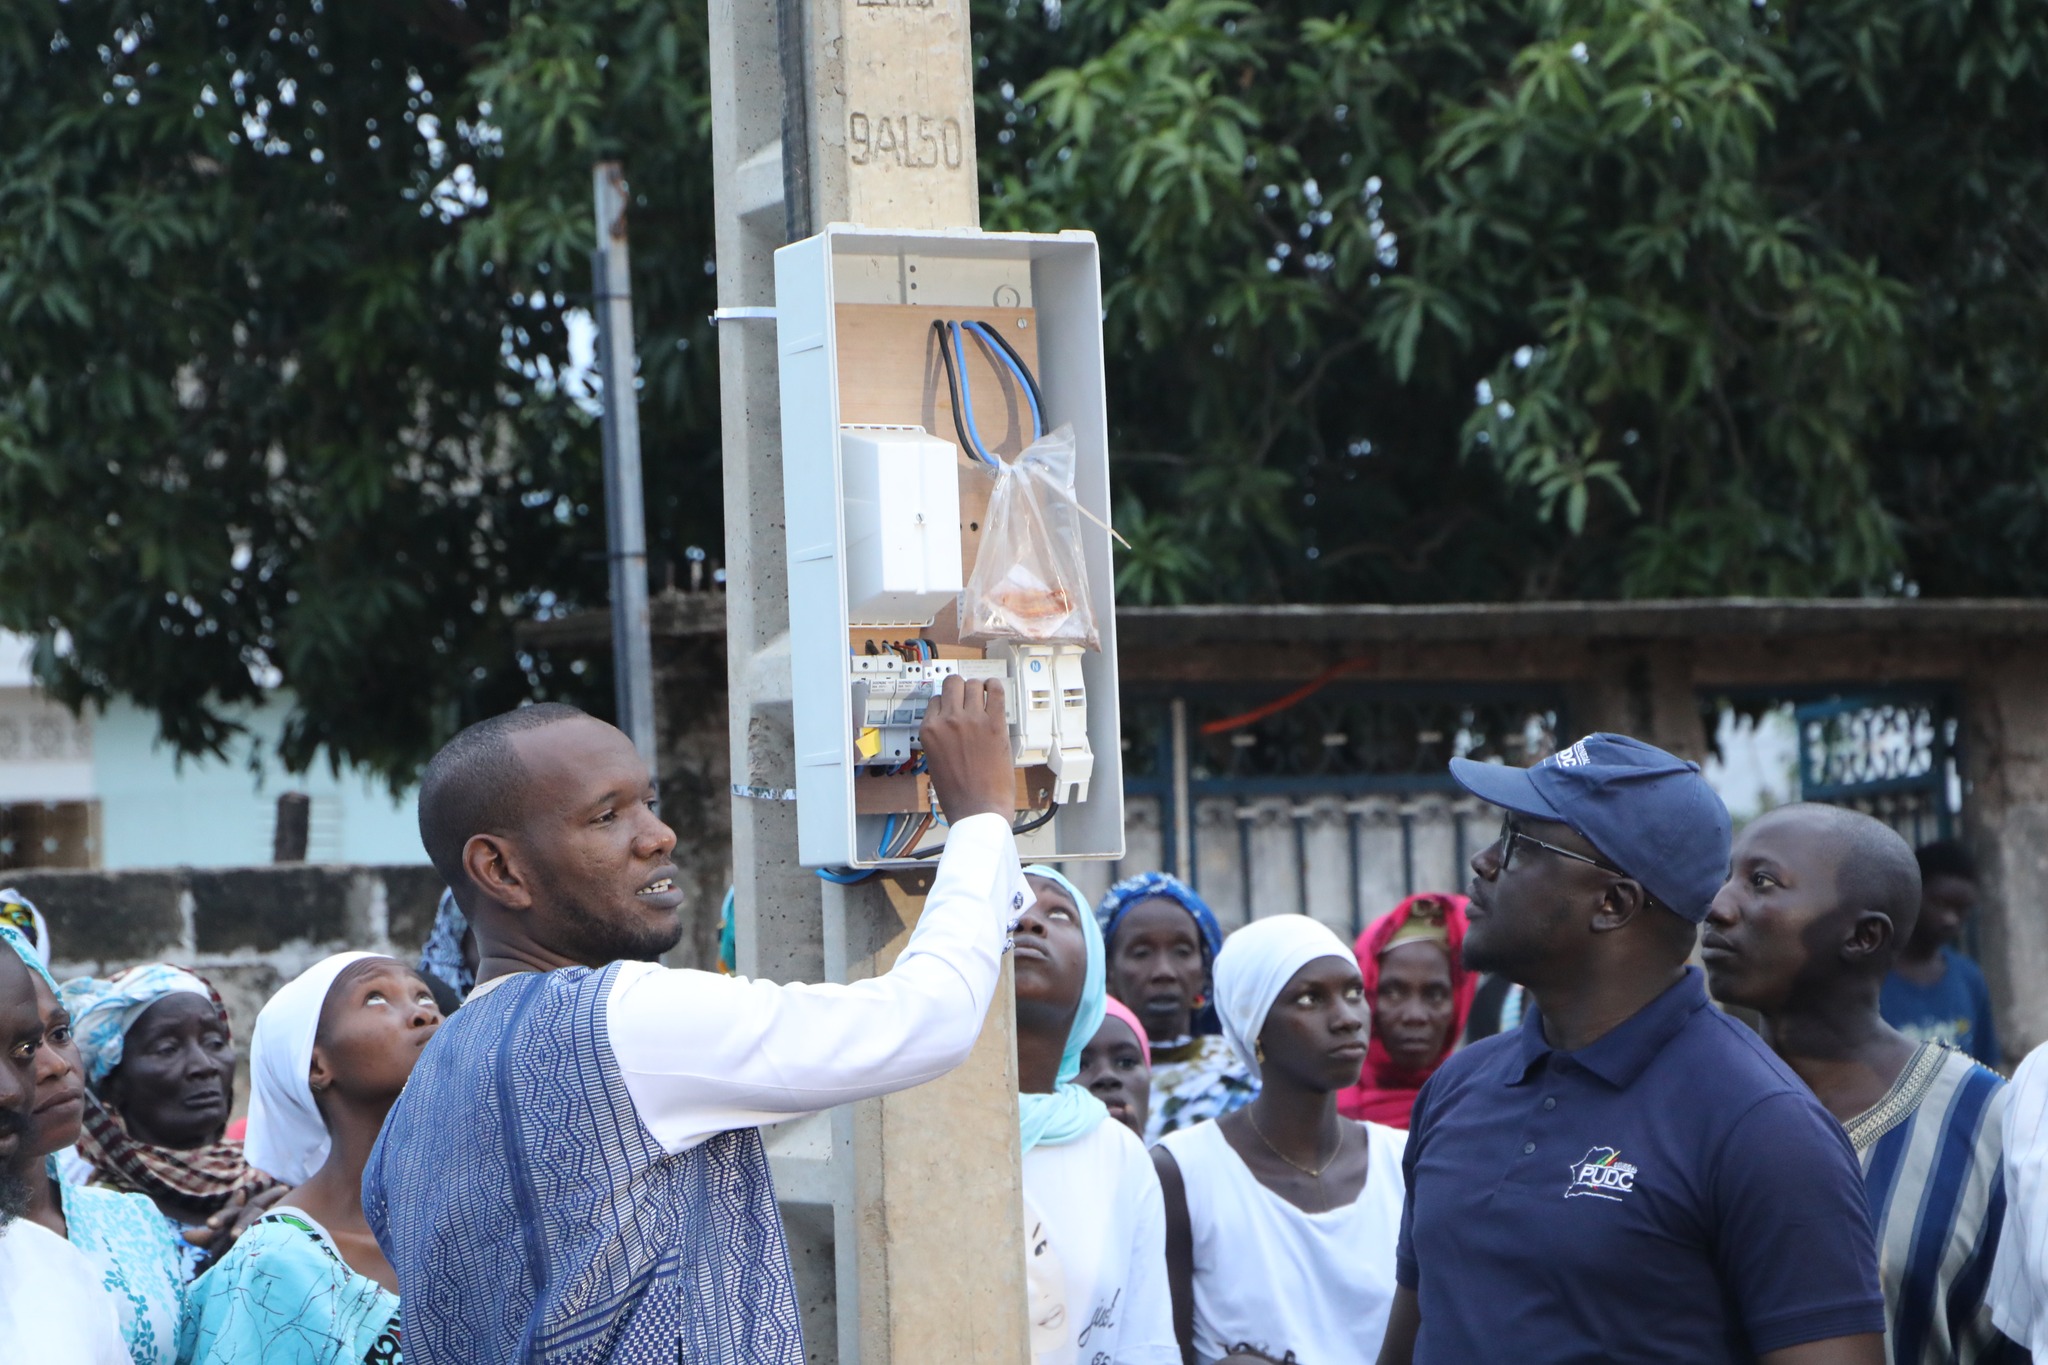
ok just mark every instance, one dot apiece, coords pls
pixel 1334 800
pixel 1890 754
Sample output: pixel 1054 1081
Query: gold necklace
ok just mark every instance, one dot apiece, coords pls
pixel 1317 1173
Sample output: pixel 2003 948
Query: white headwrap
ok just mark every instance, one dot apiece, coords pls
pixel 1254 967
pixel 287 1137
pixel 20 912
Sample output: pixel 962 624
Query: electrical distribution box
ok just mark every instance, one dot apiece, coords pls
pixel 882 336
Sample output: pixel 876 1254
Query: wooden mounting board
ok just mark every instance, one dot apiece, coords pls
pixel 912 792
pixel 891 373
pixel 860 637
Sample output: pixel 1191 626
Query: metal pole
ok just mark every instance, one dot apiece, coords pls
pixel 1183 811
pixel 625 511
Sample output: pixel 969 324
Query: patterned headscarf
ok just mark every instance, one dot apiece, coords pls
pixel 102 1012
pixel 26 952
pixel 1385 1092
pixel 19 912
pixel 443 954
pixel 104 1009
pixel 1117 903
pixel 1071 1111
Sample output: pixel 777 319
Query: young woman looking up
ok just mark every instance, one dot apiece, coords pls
pixel 1162 940
pixel 1116 1066
pixel 308 1284
pixel 1094 1225
pixel 132 1250
pixel 1421 995
pixel 1282 1217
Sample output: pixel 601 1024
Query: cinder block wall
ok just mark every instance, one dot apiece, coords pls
pixel 247 929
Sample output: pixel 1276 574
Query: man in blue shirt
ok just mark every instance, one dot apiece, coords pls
pixel 1630 1176
pixel 1934 994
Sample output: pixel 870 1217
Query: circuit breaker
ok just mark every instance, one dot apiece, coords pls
pixel 916 366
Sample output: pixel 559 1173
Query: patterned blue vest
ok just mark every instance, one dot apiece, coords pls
pixel 532 1218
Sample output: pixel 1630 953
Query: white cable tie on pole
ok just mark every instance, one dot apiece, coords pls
pixel 753 793
pixel 743 313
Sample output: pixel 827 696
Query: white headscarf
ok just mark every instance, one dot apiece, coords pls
pixel 1254 967
pixel 19 911
pixel 287 1137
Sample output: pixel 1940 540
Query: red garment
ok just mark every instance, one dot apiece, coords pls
pixel 1385 1093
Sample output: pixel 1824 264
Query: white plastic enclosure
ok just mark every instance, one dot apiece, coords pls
pixel 902 549
pixel 853 307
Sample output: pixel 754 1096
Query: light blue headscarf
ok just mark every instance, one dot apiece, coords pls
pixel 27 953
pixel 103 1010
pixel 1070 1112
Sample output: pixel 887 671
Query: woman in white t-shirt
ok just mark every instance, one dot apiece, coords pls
pixel 1094 1223
pixel 1282 1217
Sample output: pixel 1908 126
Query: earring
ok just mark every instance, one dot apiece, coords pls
pixel 1259 1051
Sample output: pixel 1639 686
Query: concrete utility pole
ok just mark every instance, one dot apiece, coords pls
pixel 904 1214
pixel 624 509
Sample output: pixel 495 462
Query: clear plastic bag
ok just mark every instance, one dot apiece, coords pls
pixel 1030 581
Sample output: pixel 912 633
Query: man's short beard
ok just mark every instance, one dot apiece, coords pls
pixel 607 940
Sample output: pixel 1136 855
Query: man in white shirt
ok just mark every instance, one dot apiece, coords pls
pixel 574 1171
pixel 2018 1293
pixel 52 1306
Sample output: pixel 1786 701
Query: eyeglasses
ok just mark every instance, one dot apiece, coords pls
pixel 1510 836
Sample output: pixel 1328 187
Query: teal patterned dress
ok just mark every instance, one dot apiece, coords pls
pixel 141 1263
pixel 284 1296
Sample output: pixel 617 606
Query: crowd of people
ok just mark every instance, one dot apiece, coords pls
pixel 1508 1124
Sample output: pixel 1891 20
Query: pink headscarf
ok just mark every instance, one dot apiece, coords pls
pixel 1119 1010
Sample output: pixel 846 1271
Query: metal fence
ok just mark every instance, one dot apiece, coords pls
pixel 1337 804
pixel 1891 754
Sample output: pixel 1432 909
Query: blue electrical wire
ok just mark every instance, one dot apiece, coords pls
pixel 967 398
pixel 1002 353
pixel 844 877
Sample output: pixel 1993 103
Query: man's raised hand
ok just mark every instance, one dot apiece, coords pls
pixel 966 743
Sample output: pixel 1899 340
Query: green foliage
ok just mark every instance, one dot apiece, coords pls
pixel 1407 300
pixel 284 289
pixel 1495 298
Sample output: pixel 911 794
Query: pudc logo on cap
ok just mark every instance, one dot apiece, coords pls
pixel 1650 813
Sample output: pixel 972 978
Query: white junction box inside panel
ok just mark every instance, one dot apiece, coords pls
pixel 902 524
pixel 884 514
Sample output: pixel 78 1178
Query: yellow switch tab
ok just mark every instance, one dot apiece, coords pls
pixel 869 744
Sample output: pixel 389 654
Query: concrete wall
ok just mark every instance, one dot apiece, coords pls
pixel 247 930
pixel 2005 816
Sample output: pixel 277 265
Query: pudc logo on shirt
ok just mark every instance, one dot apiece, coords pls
pixel 1601 1174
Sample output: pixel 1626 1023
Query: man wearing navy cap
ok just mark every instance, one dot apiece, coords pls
pixel 1631 1175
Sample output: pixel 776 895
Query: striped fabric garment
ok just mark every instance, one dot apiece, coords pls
pixel 1930 1152
pixel 2019 1286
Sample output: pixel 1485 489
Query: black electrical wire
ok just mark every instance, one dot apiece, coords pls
pixel 1030 380
pixel 1036 822
pixel 945 332
pixel 949 337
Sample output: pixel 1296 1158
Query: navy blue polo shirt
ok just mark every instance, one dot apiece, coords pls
pixel 1670 1193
